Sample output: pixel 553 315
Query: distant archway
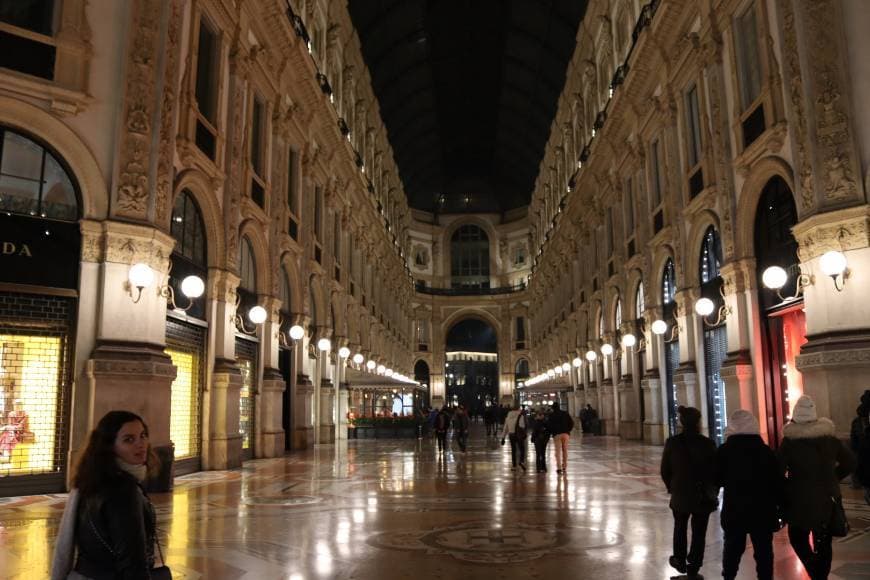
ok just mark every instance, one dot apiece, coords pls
pixel 472 365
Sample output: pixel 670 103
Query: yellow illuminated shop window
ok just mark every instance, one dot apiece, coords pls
pixel 184 415
pixel 29 375
pixel 246 404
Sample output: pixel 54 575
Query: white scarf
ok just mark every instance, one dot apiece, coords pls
pixel 140 472
pixel 65 547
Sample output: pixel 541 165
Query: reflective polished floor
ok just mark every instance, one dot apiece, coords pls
pixel 396 509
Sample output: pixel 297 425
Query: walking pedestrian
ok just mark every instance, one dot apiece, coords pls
pixel 540 438
pixel 460 427
pixel 442 423
pixel 814 461
pixel 688 472
pixel 561 425
pixel 749 472
pixel 515 426
pixel 860 443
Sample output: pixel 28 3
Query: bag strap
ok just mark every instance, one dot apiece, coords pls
pixel 99 536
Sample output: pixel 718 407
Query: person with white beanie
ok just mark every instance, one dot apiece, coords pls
pixel 814 462
pixel 748 471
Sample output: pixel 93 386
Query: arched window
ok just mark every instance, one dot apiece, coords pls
pixel 669 282
pixel 600 324
pixel 521 370
pixel 247 266
pixel 617 315
pixel 286 295
pixel 188 230
pixel 469 258
pixel 639 304
pixel 33 181
pixel 711 256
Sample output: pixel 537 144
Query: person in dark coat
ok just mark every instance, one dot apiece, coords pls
pixel 814 461
pixel 540 437
pixel 442 423
pixel 461 424
pixel 860 440
pixel 560 424
pixel 689 474
pixel 748 470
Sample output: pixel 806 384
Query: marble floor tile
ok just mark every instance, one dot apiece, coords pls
pixel 397 509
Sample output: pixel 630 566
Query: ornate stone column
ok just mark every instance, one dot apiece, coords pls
pixel 223 448
pixel 271 396
pixel 629 394
pixel 129 369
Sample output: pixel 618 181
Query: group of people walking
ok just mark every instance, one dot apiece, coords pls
pixel 798 485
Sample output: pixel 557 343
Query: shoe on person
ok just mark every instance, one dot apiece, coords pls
pixel 677 565
pixel 558 471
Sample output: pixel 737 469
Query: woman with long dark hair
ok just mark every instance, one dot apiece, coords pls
pixel 108 527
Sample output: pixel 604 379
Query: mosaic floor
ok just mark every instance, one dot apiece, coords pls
pixel 394 509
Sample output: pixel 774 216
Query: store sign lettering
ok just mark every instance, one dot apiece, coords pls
pixel 16 249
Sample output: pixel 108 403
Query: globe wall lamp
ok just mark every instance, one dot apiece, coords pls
pixel 344 352
pixel 324 344
pixel 577 362
pixel 358 359
pixel 566 367
pixel 606 349
pixel 557 369
pixel 381 369
pixel 775 277
pixel 834 264
pixel 370 365
pixel 704 307
pixel 629 340
pixel 141 276
pixel 551 373
pixel 257 315
pixel 296 332
pixel 591 355
pixel 659 327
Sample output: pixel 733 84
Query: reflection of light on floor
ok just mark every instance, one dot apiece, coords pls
pixel 342 536
pixel 612 524
pixel 324 558
pixel 296 576
pixel 359 516
pixel 373 505
pixel 639 554
pixel 595 513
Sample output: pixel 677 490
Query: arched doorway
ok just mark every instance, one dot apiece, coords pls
pixel 39 212
pixel 247 348
pixel 472 365
pixel 286 363
pixel 783 324
pixel 186 334
pixel 421 375
pixel 469 258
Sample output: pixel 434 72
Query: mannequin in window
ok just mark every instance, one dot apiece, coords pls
pixel 16 429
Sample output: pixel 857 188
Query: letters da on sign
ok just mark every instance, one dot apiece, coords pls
pixel 15 249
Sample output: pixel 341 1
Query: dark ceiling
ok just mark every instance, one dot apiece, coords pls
pixel 467 90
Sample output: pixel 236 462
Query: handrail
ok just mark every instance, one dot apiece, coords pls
pixel 468 290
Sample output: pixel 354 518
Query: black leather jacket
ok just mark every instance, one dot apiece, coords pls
pixel 115 532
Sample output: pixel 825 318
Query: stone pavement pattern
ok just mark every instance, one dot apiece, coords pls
pixel 395 509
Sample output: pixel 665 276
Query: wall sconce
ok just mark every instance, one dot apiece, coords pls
pixel 606 349
pixel 557 369
pixel 566 367
pixel 834 264
pixel 296 332
pixel 358 359
pixel 324 344
pixel 775 277
pixel 381 369
pixel 257 315
pixel 704 307
pixel 344 352
pixel 591 355
pixel 140 276
pixel 660 327
pixel 388 373
pixel 577 362
pixel 551 373
pixel 629 340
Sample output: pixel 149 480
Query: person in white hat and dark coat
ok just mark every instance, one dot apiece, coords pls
pixel 814 462
pixel 749 472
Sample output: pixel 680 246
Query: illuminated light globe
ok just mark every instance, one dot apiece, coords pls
pixel 833 263
pixel 296 332
pixel 344 352
pixel 591 355
pixel 358 358
pixel 388 372
pixel 551 373
pixel 557 369
pixel 566 367
pixel 774 277
pixel 577 362
pixel 659 327
pixel 371 365
pixel 140 275
pixel 381 369
pixel 192 287
pixel 704 307
pixel 629 340
pixel 257 314
pixel 324 344
pixel 606 349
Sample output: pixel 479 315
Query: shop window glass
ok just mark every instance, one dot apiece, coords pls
pixel 32 180
pixel 748 62
pixel 710 256
pixel 639 304
pixel 669 283
pixel 247 266
pixel 188 230
pixel 246 403
pixel 184 393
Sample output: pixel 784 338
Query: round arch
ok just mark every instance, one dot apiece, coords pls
pixel 662 256
pixel 488 229
pixel 250 229
pixel 474 313
pixel 629 305
pixel 29 119
pixel 339 316
pixel 197 184
pixel 702 222
pixel 762 172
pixel 317 308
pixel 288 263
